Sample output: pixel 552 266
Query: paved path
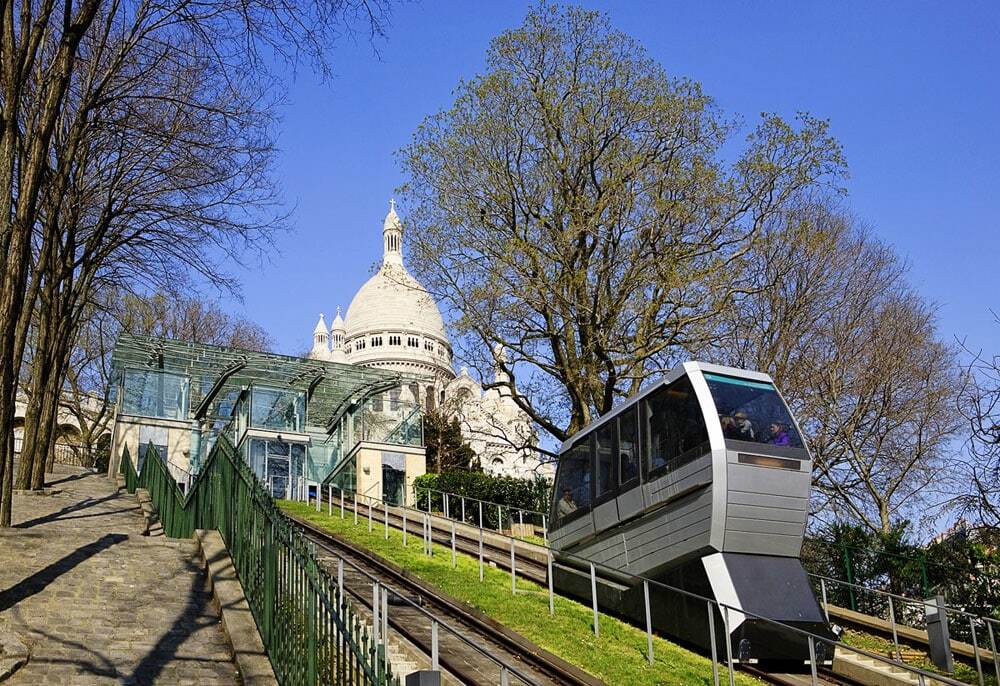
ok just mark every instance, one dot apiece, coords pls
pixel 97 602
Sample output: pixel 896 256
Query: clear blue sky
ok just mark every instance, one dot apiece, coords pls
pixel 912 90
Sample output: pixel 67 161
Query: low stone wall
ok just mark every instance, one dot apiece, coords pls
pixel 237 619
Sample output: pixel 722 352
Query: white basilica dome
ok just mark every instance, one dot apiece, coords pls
pixel 393 322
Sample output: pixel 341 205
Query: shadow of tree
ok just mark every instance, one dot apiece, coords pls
pixel 75 507
pixel 38 581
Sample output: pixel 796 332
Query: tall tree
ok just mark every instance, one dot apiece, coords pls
pixel 446 449
pixel 829 315
pixel 574 207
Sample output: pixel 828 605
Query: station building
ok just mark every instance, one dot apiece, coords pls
pixel 293 420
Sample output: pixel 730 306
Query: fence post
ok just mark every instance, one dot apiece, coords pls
pixel 340 581
pixel 428 500
pixel 385 619
pixel 480 514
pixel 385 508
pixel 812 660
pixel 329 500
pixel 826 608
pixel 504 679
pixel 376 621
pixel 513 572
pixel 729 644
pixel 319 497
pixel 454 561
pixel 548 561
pixel 711 640
pixel 993 648
pixel 354 497
pixel 270 582
pixel 369 514
pixel 649 622
pixel 447 506
pixel 499 517
pixel 434 645
pixel 404 526
pixel 975 649
pixel 593 597
pixel 892 622
pixel 850 578
pixel 342 503
pixel 480 553
pixel 311 643
pixel 463 509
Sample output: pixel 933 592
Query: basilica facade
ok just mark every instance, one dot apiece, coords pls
pixel 393 323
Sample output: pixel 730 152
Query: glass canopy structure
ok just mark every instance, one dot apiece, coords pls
pixel 292 418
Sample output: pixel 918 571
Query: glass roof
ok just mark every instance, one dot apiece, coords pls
pixel 219 374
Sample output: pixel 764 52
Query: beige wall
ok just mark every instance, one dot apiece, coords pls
pixel 369 455
pixel 178 435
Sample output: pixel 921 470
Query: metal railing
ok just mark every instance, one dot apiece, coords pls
pixel 903 611
pixel 821 648
pixel 896 610
pixel 485 514
pixel 312 633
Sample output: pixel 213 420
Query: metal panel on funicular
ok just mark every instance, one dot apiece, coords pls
pixel 701 482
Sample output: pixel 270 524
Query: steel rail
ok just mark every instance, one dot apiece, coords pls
pixel 552 668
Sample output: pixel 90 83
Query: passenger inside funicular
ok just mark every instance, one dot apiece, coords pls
pixel 752 411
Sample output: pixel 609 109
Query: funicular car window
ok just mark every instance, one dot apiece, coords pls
pixel 605 437
pixel 628 457
pixel 677 431
pixel 573 489
pixel 752 411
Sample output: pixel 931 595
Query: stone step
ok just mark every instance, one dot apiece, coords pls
pixel 872 672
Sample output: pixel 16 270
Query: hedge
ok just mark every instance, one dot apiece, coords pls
pixel 509 492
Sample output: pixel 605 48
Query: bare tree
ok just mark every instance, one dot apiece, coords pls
pixel 856 352
pixel 574 207
pixel 979 403
pixel 135 142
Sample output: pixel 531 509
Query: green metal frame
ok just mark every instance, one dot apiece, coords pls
pixel 312 634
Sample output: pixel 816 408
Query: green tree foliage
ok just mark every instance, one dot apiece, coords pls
pixel 964 566
pixel 446 450
pixel 574 206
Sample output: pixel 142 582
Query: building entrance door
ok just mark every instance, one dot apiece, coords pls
pixel 393 477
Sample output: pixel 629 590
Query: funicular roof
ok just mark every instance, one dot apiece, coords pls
pixel 218 374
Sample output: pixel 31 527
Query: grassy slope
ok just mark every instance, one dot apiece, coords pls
pixel 618 656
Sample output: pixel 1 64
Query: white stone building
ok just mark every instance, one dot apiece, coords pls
pixel 393 323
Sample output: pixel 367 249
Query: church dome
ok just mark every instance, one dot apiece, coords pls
pixel 393 322
pixel 392 300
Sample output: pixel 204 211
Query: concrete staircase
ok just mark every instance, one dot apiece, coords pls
pixel 872 672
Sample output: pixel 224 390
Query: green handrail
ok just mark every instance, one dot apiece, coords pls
pixel 312 634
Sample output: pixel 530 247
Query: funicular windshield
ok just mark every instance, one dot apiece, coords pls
pixel 752 411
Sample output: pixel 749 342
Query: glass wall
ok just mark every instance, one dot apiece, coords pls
pixel 154 393
pixel 277 409
pixel 628 444
pixel 573 487
pixel 675 426
pixel 752 411
pixel 399 423
pixel 277 464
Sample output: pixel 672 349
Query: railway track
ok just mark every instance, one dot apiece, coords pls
pixel 460 656
pixel 529 564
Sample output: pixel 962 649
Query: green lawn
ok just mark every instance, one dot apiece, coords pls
pixel 618 656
